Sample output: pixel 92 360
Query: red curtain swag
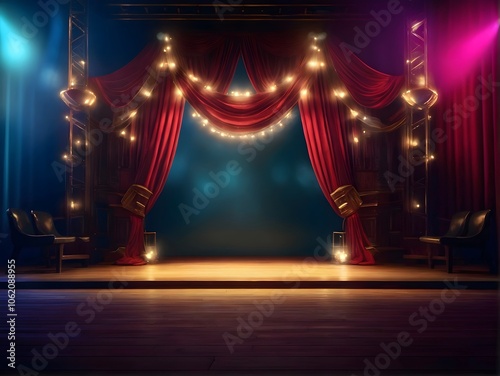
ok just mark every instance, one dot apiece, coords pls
pixel 279 69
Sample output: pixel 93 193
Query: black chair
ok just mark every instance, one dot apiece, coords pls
pixel 23 234
pixel 475 236
pixel 44 224
pixel 458 226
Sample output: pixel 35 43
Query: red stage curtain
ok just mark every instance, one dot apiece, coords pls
pixel 157 128
pixel 244 114
pixel 324 123
pixel 463 51
pixel 203 61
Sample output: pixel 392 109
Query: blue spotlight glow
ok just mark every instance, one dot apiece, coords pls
pixel 14 48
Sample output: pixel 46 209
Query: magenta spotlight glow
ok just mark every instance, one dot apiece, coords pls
pixel 464 54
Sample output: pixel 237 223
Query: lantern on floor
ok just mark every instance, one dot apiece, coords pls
pixel 150 250
pixel 339 248
pixel 348 201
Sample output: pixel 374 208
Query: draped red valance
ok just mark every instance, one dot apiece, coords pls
pixel 283 69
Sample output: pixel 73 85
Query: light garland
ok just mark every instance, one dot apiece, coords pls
pixel 316 62
pixel 204 123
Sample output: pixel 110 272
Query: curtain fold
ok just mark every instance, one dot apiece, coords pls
pixel 368 87
pixel 240 114
pixel 119 88
pixel 157 128
pixel 324 122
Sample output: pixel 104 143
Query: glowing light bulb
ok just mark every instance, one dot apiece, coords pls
pixel 354 113
pixel 65 156
pixel 341 256
pixel 313 63
pixel 132 138
pixel 172 65
pixel 289 79
pixel 364 131
pixel 356 140
pixel 133 114
pixel 146 93
pixel 247 93
pixel 303 93
pixel 193 114
pixel 82 62
pixel 273 88
pixel 208 87
pixel 212 130
pixel 168 48
pixel 340 93
pixel 123 133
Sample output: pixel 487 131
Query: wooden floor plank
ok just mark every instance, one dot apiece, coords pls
pixel 307 331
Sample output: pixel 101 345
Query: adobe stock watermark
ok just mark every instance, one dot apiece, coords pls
pixel 224 6
pixel 456 115
pixel 246 326
pixel 58 342
pixel 372 29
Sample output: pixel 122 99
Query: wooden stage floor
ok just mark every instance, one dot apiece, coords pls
pixel 197 317
pixel 252 273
